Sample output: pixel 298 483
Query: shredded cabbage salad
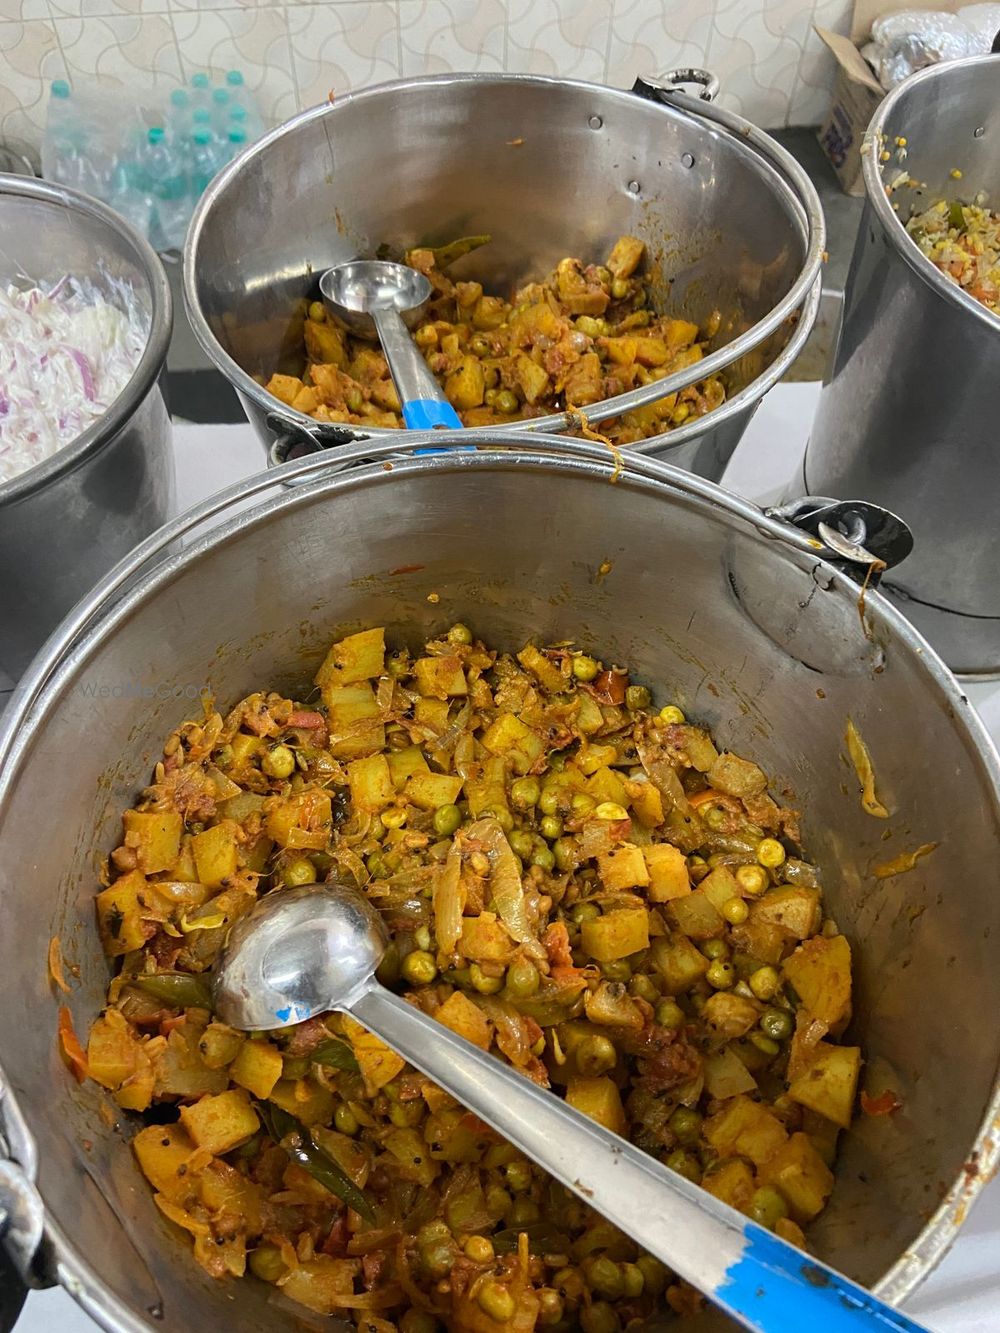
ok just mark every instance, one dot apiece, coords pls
pixel 65 356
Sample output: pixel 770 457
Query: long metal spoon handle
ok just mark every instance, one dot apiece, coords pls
pixel 424 405
pixel 753 1275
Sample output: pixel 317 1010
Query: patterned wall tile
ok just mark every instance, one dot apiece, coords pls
pixel 559 37
pixel 755 51
pixel 137 53
pixel 444 35
pixel 647 39
pixel 23 10
pixel 29 58
pixel 253 40
pixel 106 8
pixel 340 47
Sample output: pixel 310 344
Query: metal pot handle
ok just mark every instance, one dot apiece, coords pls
pixel 22 1214
pixel 675 79
pixel 441 447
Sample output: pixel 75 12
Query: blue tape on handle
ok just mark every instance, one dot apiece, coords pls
pixel 784 1297
pixel 429 413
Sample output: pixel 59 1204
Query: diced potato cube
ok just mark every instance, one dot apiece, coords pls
pixel 413 1159
pixel 698 747
pixel 718 886
pixel 795 910
pixel 245 748
pixel 348 705
pixel 285 387
pixel 440 677
pixel 607 785
pixel 460 1014
pixel 668 872
pixel 545 671
pixel 221 1123
pixel 736 776
pixel 431 790
pixel 600 1099
pixel 763 940
pixel 325 343
pixel 589 717
pixel 616 934
pixel 404 763
pixel 215 853
pixel 257 1068
pixel 370 782
pixel 155 837
pixel 626 256
pixel 678 962
pixel 802 1176
pixel 113 1050
pixel 647 806
pixel 744 1128
pixel 356 658
pixel 726 1075
pixel 306 400
pixel 820 972
pixel 830 1083
pixel 532 378
pixel 730 1015
pixel 595 756
pixel 315 1108
pixel 298 811
pixel 624 867
pixel 696 916
pixel 119 914
pixel 466 384
pixel 163 1152
pixel 321 1283
pixel 510 737
pixel 432 714
pixel 732 1182
pixel 184 870
pixel 379 1063
pixel 823 1133
pixel 485 939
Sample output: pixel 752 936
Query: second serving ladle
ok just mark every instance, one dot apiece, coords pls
pixel 309 950
pixel 382 302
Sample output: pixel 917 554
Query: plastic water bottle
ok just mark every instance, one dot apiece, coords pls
pixel 242 96
pixel 236 141
pixel 220 110
pixel 128 197
pixel 179 122
pixel 58 146
pixel 201 90
pixel 168 187
pixel 206 159
pixel 246 119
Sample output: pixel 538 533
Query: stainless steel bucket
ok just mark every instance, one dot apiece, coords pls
pixel 547 167
pixel 734 613
pixel 909 418
pixel 66 521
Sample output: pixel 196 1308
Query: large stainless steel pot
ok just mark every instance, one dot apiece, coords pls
pixel 909 417
pixel 66 521
pixel 735 613
pixel 547 167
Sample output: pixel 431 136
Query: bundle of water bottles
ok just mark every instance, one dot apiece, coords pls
pixel 151 166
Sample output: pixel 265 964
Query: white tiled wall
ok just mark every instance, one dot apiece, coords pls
pixel 772 66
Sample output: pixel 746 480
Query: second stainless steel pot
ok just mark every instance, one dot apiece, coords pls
pixel 736 616
pixel 909 418
pixel 547 167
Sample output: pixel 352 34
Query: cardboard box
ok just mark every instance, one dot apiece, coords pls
pixel 856 90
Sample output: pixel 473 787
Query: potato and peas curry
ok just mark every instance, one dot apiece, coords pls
pixel 575 880
pixel 583 334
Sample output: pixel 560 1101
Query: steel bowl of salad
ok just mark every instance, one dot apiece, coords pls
pixel 85 467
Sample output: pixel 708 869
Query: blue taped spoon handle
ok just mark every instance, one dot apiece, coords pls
pixel 430 413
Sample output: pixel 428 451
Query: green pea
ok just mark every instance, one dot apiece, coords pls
pixel 764 1044
pixel 266 1263
pixel 523 979
pixel 549 800
pixel 299 871
pixel 438 1260
pixel 669 1014
pixel 551 827
pixel 543 857
pixel 654 1274
pixel 620 288
pixel 581 912
pixel 685 1125
pixel 460 634
pixel 713 949
pixel 564 850
pixel 483 982
pixel 599 1318
pixel 407 1115
pixel 721 975
pixel 634 1281
pixel 777 1024
pixel 585 668
pixel 419 968
pixel 642 988
pixel 279 762
pixel 768 1206
pixel 618 969
pixel 605 1277
pixel 522 843
pixel 502 815
pixel 517 1176
pixel 506 401
pixel 480 346
pixel 496 1301
pixel 345 1120
pixel 595 1055
pixel 432 1233
pixel 447 819
pixel 685 1164
pixel 764 982
pixel 582 804
pixel 550 1307
pixel 524 793
pixel 636 697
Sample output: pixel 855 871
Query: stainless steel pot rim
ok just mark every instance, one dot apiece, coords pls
pixel 364 462
pixel 770 154
pixel 93 439
pixel 875 186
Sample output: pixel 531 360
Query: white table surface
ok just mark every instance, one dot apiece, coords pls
pixel 963 1294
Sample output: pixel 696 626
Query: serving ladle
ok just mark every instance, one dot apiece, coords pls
pixel 308 950
pixel 382 302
